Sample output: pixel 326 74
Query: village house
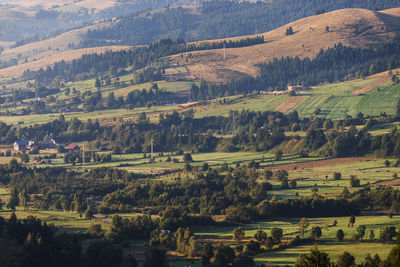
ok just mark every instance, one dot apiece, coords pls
pixel 21 145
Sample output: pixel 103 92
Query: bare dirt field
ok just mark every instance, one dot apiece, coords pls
pixel 290 103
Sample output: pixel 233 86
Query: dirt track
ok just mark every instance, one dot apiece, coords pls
pixel 371 86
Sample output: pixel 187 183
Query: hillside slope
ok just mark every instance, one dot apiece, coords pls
pixel 18 70
pixel 48 47
pixel 351 27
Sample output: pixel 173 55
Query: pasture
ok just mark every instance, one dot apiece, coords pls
pixel 328 244
pixel 335 101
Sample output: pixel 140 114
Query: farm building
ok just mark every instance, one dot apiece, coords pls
pixel 72 148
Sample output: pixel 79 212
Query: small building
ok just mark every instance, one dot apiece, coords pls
pixel 72 148
pixel 21 145
pixel 297 88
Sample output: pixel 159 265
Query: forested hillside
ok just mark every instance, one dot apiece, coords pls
pixel 220 18
pixel 51 19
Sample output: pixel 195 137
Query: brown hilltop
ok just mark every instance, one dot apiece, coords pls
pixel 352 27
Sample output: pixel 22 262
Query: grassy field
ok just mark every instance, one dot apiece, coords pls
pixel 336 101
pixel 329 245
pixel 253 103
pixel 137 163
pixel 66 221
pixel 334 249
pixel 152 113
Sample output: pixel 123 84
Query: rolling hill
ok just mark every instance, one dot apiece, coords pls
pixel 351 27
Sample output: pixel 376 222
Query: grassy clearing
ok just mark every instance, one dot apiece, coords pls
pixel 369 172
pixel 66 221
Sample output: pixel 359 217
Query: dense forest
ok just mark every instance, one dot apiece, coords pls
pixel 219 18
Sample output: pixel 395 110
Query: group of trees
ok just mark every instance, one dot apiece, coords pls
pixel 59 188
pixel 31 243
pixel 135 98
pixel 352 142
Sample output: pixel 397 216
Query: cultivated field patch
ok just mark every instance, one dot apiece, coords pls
pixel 290 103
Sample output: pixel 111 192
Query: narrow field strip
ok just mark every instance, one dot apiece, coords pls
pixel 290 103
pixel 371 86
pixel 316 163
